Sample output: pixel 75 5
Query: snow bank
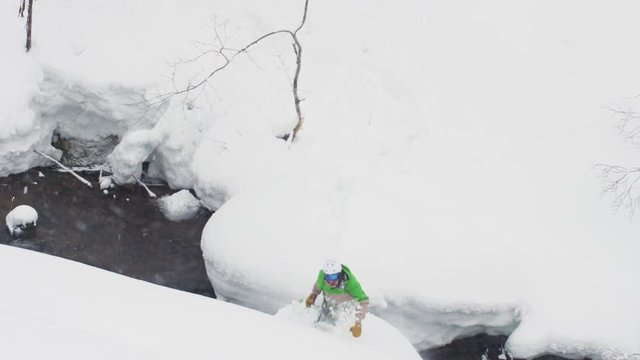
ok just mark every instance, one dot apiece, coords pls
pixel 95 72
pixel 73 311
pixel 420 292
pixel 451 170
pixel 231 160
pixel 19 131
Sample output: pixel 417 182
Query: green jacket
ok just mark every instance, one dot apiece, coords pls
pixel 349 285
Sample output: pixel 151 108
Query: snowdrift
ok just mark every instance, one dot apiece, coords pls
pixel 74 311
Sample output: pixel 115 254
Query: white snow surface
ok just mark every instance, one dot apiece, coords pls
pixel 20 216
pixel 74 311
pixel 447 152
pixel 181 205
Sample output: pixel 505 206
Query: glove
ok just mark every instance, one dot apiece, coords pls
pixel 310 300
pixel 356 330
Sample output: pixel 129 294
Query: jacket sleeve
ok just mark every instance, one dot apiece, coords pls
pixel 361 311
pixel 356 290
pixel 317 286
pixel 359 295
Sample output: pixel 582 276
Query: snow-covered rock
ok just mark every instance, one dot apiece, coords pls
pixel 181 205
pixel 105 182
pixel 20 217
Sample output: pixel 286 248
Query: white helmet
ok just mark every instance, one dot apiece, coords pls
pixel 332 266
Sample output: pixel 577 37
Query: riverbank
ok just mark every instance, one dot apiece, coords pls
pixel 124 231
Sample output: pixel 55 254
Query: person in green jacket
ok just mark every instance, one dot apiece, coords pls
pixel 339 286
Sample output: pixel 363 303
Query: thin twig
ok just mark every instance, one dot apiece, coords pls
pixel 628 119
pixel 227 61
pixel 85 181
pixel 151 194
pixel 622 183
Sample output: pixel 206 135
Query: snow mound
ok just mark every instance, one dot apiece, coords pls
pixel 20 217
pixel 430 325
pixel 377 335
pixel 179 206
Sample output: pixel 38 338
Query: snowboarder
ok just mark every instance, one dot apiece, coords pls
pixel 339 286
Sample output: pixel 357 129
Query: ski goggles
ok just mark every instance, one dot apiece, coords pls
pixel 332 277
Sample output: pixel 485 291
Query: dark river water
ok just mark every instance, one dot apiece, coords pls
pixel 124 231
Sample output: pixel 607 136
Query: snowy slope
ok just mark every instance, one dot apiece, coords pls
pixel 57 309
pixel 446 155
pixel 447 158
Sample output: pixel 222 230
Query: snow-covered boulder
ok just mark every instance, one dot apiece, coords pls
pixel 181 205
pixel 21 217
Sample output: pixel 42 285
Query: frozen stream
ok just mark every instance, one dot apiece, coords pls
pixel 125 232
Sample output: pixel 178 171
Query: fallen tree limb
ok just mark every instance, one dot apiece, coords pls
pixel 85 181
pixel 151 193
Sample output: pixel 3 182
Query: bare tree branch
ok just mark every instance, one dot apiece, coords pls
pixel 29 24
pixel 628 119
pixel 227 55
pixel 623 184
pixel 21 9
pixel 620 182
